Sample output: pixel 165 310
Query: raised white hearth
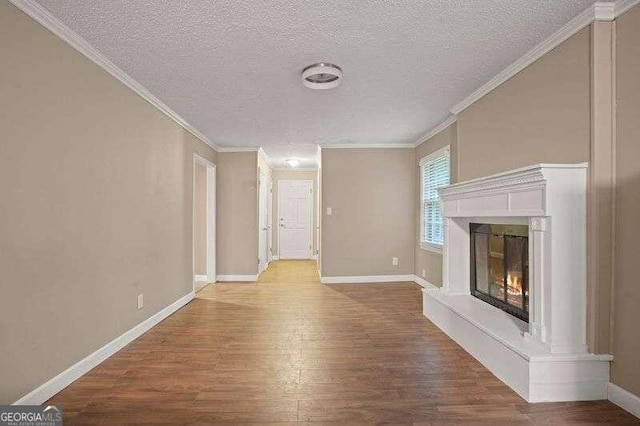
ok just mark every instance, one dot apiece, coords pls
pixel 545 359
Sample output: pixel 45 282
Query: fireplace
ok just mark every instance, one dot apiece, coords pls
pixel 499 262
pixel 516 242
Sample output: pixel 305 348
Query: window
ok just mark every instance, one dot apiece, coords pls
pixel 434 174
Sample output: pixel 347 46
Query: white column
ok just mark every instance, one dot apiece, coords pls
pixel 455 273
pixel 539 281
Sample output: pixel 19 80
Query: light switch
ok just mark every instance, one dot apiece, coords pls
pixel 329 211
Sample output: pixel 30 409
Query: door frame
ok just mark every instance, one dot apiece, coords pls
pixel 211 219
pixel 269 220
pixel 263 180
pixel 311 227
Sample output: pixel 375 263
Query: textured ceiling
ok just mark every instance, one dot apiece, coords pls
pixel 232 68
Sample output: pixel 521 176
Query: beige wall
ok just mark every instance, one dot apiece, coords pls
pixel 626 337
pixel 371 192
pixel 428 261
pixel 96 191
pixel 279 175
pixel 540 115
pixel 200 221
pixel 237 213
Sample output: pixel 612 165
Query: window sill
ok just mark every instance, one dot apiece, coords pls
pixel 436 248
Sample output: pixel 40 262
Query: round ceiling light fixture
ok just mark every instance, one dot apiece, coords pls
pixel 322 75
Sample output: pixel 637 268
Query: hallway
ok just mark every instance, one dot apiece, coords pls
pixel 288 349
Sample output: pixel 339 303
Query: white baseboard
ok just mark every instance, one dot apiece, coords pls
pixel 366 279
pixel 237 278
pixel 424 283
pixel 624 399
pixel 200 278
pixel 45 391
pixel 275 258
pixel 314 257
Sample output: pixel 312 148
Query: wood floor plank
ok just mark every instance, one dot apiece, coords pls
pixel 288 349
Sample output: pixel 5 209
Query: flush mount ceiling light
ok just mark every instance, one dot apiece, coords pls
pixel 322 75
pixel 293 162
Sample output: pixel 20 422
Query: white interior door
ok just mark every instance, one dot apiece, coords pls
pixel 263 229
pixel 295 206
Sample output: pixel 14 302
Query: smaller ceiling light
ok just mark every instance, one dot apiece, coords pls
pixel 322 75
pixel 293 162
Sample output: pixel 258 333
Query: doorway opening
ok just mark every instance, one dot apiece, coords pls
pixel 204 222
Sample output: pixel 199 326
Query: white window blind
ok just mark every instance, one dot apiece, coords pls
pixel 435 170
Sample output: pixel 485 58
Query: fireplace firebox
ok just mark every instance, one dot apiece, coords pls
pixel 500 266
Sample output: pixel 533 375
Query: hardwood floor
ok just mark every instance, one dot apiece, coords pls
pixel 288 349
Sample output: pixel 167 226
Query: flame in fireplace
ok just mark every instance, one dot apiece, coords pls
pixel 514 286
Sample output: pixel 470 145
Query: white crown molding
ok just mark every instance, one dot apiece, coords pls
pixel 238 149
pixel 53 24
pixel 439 128
pixel 622 6
pixel 45 391
pixel 365 145
pixel 597 11
pixel 624 399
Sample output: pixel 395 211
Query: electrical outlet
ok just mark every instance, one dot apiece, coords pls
pixel 141 301
pixel 394 261
pixel 424 274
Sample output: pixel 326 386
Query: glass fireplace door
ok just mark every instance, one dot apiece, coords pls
pixel 500 266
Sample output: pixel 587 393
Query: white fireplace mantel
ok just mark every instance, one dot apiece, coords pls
pixel 545 359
